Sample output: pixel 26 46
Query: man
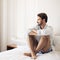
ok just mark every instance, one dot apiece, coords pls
pixel 40 37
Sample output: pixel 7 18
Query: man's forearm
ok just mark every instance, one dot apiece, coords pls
pixel 32 33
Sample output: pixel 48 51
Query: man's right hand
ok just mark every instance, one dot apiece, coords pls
pixel 33 32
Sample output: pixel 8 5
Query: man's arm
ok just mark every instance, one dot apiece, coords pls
pixel 33 32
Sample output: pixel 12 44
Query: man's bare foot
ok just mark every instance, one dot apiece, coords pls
pixel 31 55
pixel 27 54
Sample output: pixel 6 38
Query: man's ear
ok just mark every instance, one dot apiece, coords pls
pixel 43 20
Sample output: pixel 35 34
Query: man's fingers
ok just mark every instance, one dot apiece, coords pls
pixel 34 31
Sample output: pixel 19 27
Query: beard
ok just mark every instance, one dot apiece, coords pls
pixel 39 24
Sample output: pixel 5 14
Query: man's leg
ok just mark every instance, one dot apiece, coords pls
pixel 44 44
pixel 32 43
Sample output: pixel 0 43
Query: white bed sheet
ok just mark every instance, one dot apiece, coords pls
pixel 17 54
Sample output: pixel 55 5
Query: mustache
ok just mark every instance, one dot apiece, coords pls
pixel 38 24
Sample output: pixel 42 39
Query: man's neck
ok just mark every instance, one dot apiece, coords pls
pixel 42 26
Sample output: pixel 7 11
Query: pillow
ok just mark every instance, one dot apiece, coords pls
pixel 57 43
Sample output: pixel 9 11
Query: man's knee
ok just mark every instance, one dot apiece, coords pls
pixel 45 37
pixel 32 37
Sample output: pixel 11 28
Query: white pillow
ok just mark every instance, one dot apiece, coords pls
pixel 57 43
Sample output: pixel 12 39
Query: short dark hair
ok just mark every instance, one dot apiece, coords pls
pixel 43 16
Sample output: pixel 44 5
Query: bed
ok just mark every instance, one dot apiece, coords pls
pixel 17 53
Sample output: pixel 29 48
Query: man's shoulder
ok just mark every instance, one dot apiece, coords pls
pixel 49 27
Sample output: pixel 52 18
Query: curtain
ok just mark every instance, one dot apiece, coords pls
pixel 3 24
pixel 14 20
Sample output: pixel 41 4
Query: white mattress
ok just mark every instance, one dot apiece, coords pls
pixel 17 54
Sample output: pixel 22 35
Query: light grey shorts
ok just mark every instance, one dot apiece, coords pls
pixel 37 38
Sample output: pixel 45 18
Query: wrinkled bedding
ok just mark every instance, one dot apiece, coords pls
pixel 17 54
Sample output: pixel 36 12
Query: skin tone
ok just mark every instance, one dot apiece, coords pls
pixel 44 42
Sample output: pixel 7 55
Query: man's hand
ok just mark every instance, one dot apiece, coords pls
pixel 33 32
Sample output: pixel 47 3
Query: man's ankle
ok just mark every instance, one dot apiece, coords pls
pixel 36 51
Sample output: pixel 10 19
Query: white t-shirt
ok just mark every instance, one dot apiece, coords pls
pixel 48 30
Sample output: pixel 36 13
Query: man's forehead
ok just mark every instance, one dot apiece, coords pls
pixel 38 17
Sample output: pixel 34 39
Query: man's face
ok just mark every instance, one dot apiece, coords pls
pixel 39 21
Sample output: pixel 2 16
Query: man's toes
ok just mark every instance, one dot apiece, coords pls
pixel 27 54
